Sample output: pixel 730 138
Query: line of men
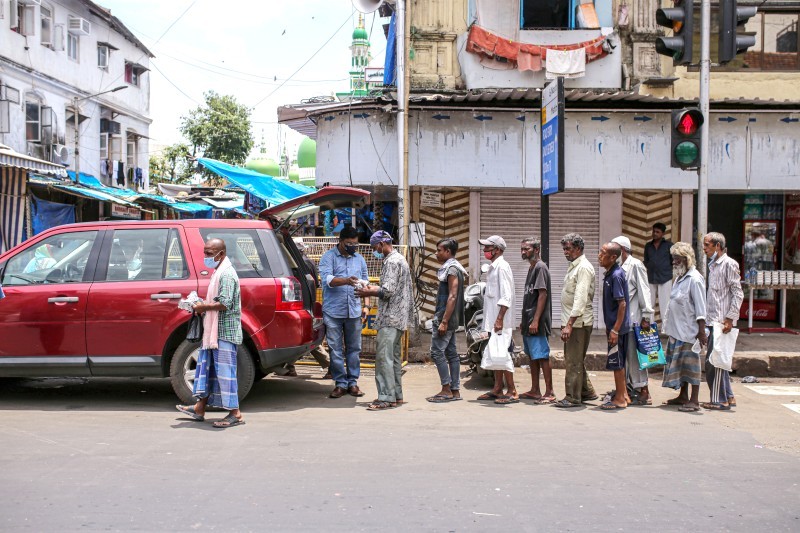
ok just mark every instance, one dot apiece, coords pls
pixel 693 308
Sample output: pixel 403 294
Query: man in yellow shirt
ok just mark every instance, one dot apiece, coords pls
pixel 577 321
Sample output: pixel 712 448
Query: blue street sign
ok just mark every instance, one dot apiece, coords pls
pixel 552 148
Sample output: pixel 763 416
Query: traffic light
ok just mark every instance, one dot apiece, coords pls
pixel 680 20
pixel 686 135
pixel 731 19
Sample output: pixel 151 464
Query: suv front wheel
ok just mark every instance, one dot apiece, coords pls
pixel 184 363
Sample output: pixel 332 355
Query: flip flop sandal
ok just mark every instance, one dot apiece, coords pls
pixel 228 422
pixel 529 396
pixel 487 396
pixel 189 411
pixel 380 406
pixel 566 404
pixel 506 400
pixel 640 403
pixel 674 401
pixel 688 408
pixel 544 400
pixel 717 407
pixel 440 398
pixel 608 406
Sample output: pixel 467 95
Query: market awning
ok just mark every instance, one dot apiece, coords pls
pixel 11 158
pixel 224 204
pixel 75 190
pixel 273 190
pixel 90 181
pixel 187 207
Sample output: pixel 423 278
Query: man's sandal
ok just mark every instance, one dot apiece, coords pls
pixel 381 406
pixel 229 421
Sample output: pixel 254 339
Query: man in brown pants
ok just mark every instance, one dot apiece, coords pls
pixel 577 320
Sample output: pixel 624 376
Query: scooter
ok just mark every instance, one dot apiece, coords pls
pixel 477 338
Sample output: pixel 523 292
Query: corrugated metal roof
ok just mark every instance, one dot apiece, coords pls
pixel 303 117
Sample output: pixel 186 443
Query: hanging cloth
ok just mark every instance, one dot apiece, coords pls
pixel 567 63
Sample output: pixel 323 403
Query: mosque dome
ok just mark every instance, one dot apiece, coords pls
pixel 307 153
pixel 360 33
pixel 264 166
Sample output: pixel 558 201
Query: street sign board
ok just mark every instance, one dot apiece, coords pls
pixel 552 149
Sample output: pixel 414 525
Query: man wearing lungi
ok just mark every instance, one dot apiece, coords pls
pixel 215 382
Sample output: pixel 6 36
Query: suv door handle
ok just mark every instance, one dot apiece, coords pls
pixel 166 296
pixel 62 299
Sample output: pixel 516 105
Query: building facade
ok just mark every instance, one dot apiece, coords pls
pixel 56 57
pixel 474 127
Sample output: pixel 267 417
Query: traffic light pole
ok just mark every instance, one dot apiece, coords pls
pixel 702 172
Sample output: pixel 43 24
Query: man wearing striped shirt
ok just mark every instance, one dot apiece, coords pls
pixel 723 299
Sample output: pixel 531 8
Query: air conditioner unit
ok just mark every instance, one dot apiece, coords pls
pixel 38 151
pixel 60 154
pixel 109 126
pixel 79 26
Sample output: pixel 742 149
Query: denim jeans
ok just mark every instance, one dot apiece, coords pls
pixel 445 357
pixel 388 366
pixel 344 334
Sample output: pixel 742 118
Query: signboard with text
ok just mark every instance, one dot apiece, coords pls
pixel 552 149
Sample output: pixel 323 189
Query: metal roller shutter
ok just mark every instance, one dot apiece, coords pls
pixel 573 212
pixel 513 214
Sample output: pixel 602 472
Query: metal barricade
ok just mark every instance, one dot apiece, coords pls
pixel 315 248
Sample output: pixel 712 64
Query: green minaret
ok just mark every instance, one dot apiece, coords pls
pixel 359 60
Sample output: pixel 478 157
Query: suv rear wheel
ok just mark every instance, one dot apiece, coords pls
pixel 184 363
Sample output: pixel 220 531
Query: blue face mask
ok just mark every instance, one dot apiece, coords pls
pixel 377 255
pixel 210 263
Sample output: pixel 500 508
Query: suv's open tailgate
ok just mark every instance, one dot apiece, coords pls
pixel 325 198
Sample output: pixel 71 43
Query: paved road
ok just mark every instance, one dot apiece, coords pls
pixel 113 455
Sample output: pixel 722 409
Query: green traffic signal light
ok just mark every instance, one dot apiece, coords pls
pixel 687 153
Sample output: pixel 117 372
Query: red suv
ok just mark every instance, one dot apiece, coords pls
pixel 101 298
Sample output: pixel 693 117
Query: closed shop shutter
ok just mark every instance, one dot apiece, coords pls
pixel 450 219
pixel 573 212
pixel 642 209
pixel 514 215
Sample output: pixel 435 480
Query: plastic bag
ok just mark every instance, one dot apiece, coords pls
pixel 648 347
pixel 721 355
pixel 195 331
pixel 496 355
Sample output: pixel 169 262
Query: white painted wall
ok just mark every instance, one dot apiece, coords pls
pixel 47 72
pixel 604 150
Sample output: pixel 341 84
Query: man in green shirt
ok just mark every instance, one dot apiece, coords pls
pixel 215 382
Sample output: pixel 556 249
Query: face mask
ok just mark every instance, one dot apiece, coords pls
pixel 678 271
pixel 351 249
pixel 209 262
pixel 487 255
pixel 377 254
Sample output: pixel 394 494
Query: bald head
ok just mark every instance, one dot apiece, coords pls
pixel 215 248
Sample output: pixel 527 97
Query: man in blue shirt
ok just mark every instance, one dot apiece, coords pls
pixel 341 270
pixel 615 315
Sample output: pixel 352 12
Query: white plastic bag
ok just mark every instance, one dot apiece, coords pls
pixel 724 345
pixel 496 355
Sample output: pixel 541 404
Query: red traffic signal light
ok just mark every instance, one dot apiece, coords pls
pixel 689 123
pixel 686 136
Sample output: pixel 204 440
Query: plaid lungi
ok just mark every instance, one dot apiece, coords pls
pixel 215 376
pixel 683 365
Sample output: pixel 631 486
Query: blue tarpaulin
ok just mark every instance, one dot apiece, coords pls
pixel 273 190
pixel 90 181
pixel 201 210
pixel 46 215
pixel 390 63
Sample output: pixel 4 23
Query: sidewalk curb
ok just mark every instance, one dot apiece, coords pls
pixel 759 364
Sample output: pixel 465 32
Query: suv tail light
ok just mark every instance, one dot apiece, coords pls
pixel 290 295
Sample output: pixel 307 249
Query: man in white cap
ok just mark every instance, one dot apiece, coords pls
pixel 498 313
pixel 640 310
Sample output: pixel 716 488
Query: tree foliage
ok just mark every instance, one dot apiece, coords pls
pixel 173 164
pixel 220 129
